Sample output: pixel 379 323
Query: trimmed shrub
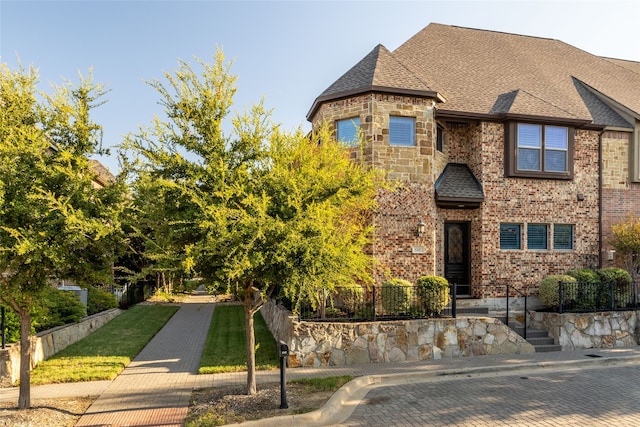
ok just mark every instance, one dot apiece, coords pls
pixel 589 290
pixel 57 308
pixel 396 296
pixel 12 331
pixel 549 290
pixel 433 294
pixel 618 281
pixel 99 300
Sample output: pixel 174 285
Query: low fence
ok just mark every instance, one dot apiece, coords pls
pixel 597 296
pixel 131 293
pixel 356 303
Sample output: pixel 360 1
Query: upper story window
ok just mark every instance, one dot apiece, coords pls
pixel 402 131
pixel 539 151
pixel 348 131
pixel 440 139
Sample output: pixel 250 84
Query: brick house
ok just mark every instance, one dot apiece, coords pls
pixel 517 154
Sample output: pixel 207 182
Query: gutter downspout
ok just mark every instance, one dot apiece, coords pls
pixel 600 198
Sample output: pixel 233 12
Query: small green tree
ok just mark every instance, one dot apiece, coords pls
pixel 433 294
pixel 266 208
pixel 54 222
pixel 397 296
pixel 626 241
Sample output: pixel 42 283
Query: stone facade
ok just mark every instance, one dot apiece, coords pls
pixel 480 145
pixel 333 344
pixel 589 330
pixel 620 196
pixel 47 343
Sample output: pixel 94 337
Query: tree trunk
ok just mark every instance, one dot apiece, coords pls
pixel 24 399
pixel 251 340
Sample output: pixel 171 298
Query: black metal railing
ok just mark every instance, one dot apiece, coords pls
pixel 373 303
pixel 526 312
pixel 597 296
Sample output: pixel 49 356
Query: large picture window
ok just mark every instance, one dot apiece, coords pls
pixel 539 151
pixel 348 131
pixel 401 131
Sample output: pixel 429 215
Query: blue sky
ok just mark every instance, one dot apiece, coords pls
pixel 287 52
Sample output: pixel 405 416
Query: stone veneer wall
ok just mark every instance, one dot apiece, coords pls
pixel 47 343
pixel 620 197
pixel 328 344
pixel 589 330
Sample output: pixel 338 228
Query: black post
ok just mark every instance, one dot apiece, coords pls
pixel 506 320
pixel 374 303
pixel 613 303
pixel 4 326
pixel 560 302
pixel 284 354
pixel 453 300
pixel 526 313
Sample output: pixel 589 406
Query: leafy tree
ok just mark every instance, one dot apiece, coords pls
pixel 264 207
pixel 54 223
pixel 626 241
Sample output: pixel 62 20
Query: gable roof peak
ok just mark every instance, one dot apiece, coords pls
pixel 378 71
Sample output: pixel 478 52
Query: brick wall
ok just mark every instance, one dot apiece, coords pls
pixel 481 146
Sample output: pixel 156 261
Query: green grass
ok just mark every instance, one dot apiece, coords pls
pixel 225 346
pixel 106 352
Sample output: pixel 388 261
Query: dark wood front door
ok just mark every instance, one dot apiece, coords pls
pixel 457 263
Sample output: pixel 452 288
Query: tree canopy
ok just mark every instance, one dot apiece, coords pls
pixel 55 223
pixel 259 209
pixel 626 241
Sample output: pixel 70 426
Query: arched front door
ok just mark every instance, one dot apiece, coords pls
pixel 457 263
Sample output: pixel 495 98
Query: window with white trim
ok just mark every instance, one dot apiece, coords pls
pixel 348 131
pixel 402 130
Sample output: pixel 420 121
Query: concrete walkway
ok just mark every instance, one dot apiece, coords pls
pixel 154 390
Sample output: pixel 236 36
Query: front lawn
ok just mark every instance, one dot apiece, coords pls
pixel 225 348
pixel 106 352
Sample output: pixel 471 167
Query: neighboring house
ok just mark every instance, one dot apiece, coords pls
pixel 517 153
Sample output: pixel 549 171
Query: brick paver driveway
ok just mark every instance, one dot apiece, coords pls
pixel 599 396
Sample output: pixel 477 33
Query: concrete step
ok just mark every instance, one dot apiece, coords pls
pixel 540 341
pixel 532 333
pixel 547 348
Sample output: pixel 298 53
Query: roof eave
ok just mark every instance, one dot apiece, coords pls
pixel 463 115
pixel 373 89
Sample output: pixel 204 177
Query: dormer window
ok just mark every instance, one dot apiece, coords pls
pixel 539 151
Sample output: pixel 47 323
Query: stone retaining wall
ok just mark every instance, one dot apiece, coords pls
pixel 327 344
pixel 589 330
pixel 48 343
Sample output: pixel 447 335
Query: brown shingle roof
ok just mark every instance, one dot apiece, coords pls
pixel 457 186
pixel 494 74
pixel 377 71
pixel 473 69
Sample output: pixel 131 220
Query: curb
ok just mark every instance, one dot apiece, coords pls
pixel 344 401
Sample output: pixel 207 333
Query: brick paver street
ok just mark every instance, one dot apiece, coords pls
pixel 600 396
